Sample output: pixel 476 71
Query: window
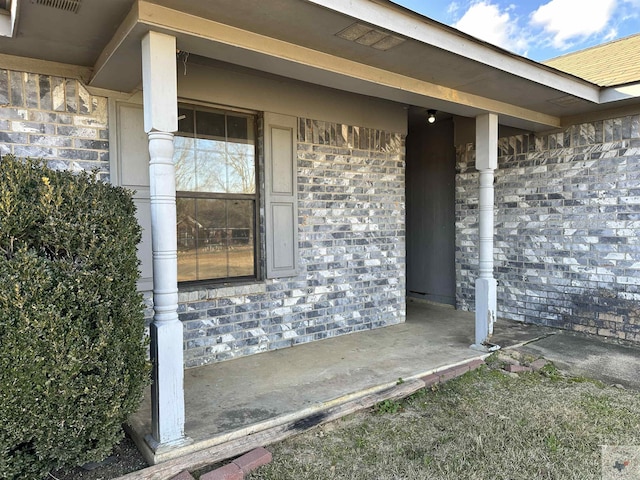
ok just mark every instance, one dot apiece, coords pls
pixel 216 195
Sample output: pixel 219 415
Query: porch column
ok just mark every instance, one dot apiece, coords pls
pixel 160 121
pixel 486 285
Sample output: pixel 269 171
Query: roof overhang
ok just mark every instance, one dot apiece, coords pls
pixel 119 68
pixel 426 64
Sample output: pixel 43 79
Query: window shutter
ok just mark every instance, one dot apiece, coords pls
pixel 281 203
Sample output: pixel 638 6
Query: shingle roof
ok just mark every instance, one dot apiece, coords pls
pixel 612 63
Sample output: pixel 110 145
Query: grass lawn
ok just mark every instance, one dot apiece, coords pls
pixel 484 425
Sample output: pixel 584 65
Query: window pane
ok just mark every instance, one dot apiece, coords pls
pixel 213 242
pixel 241 168
pixel 240 214
pixel 241 246
pixel 211 166
pixel 210 124
pixel 185 125
pixel 185 162
pixel 238 128
pixel 187 243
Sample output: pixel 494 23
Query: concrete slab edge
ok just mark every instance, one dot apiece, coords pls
pixel 526 342
pixel 275 431
pixel 152 457
pixel 160 457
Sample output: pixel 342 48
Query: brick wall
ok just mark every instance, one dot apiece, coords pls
pixel 567 244
pixel 352 254
pixel 54 118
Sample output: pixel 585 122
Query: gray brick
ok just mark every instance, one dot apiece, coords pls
pixel 84 100
pixel 71 96
pixel 45 93
pixel 33 151
pixel 74 154
pixel 7 137
pixel 50 140
pixel 31 90
pixel 17 89
pixel 77 132
pixel 58 99
pixel 5 92
pixel 91 144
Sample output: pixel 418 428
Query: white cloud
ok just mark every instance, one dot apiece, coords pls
pixel 612 35
pixel 485 20
pixel 568 21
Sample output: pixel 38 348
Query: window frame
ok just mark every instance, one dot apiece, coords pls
pixel 255 197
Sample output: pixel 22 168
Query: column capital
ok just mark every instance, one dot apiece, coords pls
pixel 159 82
pixel 487 141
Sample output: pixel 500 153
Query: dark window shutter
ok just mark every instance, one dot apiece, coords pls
pixel 281 203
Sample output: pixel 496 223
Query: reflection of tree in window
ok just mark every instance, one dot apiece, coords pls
pixel 215 183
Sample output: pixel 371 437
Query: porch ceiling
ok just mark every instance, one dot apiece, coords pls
pixel 433 66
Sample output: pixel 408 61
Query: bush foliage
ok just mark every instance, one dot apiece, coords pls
pixel 72 355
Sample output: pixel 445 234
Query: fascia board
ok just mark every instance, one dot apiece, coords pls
pixel 620 92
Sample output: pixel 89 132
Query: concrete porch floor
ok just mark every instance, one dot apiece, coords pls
pixel 235 399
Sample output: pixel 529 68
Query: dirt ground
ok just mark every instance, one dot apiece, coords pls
pixel 125 459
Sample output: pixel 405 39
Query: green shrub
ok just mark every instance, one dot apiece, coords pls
pixel 72 355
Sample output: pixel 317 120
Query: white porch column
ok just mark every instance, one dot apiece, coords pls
pixel 160 121
pixel 486 285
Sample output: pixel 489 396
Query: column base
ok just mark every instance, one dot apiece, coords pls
pixel 160 448
pixel 486 309
pixel 167 388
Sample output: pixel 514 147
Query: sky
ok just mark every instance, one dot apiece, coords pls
pixel 537 29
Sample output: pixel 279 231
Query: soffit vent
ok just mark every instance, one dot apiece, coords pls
pixel 66 5
pixel 371 37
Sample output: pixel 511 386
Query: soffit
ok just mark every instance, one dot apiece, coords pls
pixel 52 34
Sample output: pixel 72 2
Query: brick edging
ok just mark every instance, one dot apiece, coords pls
pixel 236 470
pixel 452 372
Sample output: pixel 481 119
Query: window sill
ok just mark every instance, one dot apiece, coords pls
pixel 209 292
pixel 186 287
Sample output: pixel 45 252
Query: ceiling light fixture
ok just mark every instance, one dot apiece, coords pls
pixel 431 116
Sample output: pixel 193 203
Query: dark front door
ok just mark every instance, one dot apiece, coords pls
pixel 431 210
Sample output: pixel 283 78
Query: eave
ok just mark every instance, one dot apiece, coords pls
pixel 115 70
